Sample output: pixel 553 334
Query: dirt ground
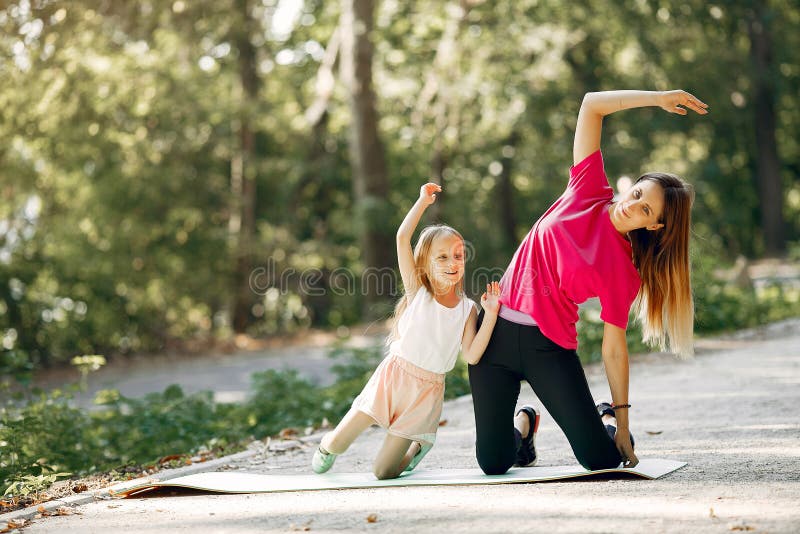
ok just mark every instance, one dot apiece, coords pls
pixel 732 413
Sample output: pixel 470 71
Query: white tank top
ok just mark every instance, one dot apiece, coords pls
pixel 430 333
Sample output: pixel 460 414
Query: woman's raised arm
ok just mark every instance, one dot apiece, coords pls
pixel 595 106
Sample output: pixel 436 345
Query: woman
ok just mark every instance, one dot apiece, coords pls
pixel 635 249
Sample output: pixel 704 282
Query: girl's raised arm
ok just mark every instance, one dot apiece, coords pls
pixel 405 255
pixel 595 106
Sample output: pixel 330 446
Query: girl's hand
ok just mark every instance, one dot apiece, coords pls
pixel 490 300
pixel 671 100
pixel 427 193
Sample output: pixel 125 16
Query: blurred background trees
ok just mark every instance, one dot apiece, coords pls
pixel 176 170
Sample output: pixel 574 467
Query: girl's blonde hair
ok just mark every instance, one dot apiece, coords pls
pixel 422 256
pixel 664 304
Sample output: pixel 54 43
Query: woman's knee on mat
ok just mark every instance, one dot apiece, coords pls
pixel 596 460
pixel 494 464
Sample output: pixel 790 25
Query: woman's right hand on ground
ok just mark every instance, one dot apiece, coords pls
pixel 672 100
pixel 427 193
pixel 623 441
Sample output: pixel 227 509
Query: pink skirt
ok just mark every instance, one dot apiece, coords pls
pixel 404 399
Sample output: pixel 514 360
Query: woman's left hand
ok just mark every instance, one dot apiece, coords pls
pixel 623 441
pixel 490 300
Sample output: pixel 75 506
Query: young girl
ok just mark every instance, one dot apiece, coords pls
pixel 433 318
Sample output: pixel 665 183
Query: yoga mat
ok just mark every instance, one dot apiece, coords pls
pixel 238 482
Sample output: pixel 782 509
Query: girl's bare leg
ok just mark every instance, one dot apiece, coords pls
pixel 349 428
pixel 394 455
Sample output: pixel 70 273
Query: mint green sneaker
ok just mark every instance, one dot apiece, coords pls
pixel 423 450
pixel 322 461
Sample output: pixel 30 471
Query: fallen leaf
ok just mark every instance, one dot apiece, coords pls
pixel 711 513
pixel 287 433
pixel 443 422
pixel 740 526
pixel 64 510
pixel 79 488
pixel 654 432
pixel 373 518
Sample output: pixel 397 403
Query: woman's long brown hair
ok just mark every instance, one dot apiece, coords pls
pixel 665 306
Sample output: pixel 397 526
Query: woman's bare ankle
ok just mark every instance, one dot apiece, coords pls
pixel 522 424
pixel 609 420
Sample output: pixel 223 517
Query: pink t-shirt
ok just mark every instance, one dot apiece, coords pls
pixel 571 254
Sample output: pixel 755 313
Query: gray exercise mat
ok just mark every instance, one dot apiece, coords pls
pixel 238 482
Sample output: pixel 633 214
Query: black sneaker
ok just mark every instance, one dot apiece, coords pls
pixel 605 408
pixel 526 455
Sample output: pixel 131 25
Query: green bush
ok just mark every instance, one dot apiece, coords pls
pixel 722 305
pixel 159 424
pixel 280 399
pixel 45 435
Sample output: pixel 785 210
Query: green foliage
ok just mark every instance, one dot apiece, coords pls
pixel 159 424
pixel 725 306
pixel 42 437
pixel 26 485
pixel 281 399
pixel 120 135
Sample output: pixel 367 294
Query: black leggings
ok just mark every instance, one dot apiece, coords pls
pixel 516 352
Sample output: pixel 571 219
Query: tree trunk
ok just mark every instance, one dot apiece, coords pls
pixel 243 184
pixel 768 163
pixel 508 218
pixel 367 158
